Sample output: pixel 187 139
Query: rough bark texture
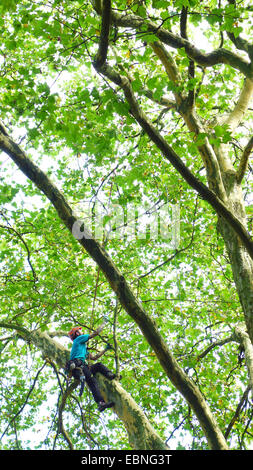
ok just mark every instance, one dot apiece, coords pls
pixel 247 347
pixel 141 434
pixel 241 262
pixel 242 267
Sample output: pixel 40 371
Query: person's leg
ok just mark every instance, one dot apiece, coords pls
pixel 93 386
pixel 99 367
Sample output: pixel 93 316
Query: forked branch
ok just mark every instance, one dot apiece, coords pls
pixel 219 56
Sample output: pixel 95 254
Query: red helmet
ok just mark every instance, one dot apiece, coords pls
pixel 72 333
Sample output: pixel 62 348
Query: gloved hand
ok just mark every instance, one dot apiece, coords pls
pixel 100 328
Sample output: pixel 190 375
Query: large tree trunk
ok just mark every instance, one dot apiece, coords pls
pixel 241 263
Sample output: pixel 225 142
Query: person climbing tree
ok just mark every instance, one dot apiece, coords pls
pixel 80 369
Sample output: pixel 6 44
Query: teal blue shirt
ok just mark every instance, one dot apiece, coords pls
pixel 79 347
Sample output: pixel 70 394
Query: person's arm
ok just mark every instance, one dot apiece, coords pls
pixel 83 338
pixel 94 358
pixel 96 332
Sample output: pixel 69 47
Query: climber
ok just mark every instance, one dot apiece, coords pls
pixel 82 371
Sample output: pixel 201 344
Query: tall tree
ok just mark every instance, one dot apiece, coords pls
pixel 130 111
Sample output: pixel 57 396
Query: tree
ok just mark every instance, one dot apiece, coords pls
pixel 118 106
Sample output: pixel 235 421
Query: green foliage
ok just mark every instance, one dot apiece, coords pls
pixel 78 128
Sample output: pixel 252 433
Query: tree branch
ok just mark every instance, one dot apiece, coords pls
pixel 245 342
pixel 238 411
pixel 25 402
pixel 104 35
pixel 241 44
pixel 165 102
pixel 131 415
pixel 215 345
pixel 141 433
pixel 11 229
pixel 244 161
pixel 235 117
pixel 191 69
pixel 219 56
pixel 205 193
pixel 185 108
pixel 170 67
pixel 61 429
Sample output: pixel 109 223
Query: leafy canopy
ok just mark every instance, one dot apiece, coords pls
pixel 76 126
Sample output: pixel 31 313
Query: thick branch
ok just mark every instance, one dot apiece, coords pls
pixel 215 345
pixel 245 342
pixel 104 35
pixel 238 411
pixel 235 117
pixel 244 161
pixel 141 434
pixel 170 67
pixel 219 56
pixel 241 44
pixel 185 108
pixel 162 101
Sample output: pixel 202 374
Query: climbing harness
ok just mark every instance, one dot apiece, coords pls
pixel 75 364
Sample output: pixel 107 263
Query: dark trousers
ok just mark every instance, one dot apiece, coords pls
pixel 88 372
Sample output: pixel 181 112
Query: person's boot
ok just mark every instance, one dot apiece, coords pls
pixel 106 372
pixel 103 406
pixel 111 375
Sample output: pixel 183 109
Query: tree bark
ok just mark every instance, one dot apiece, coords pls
pixel 141 434
pixel 242 268
pixel 218 56
pixel 245 342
